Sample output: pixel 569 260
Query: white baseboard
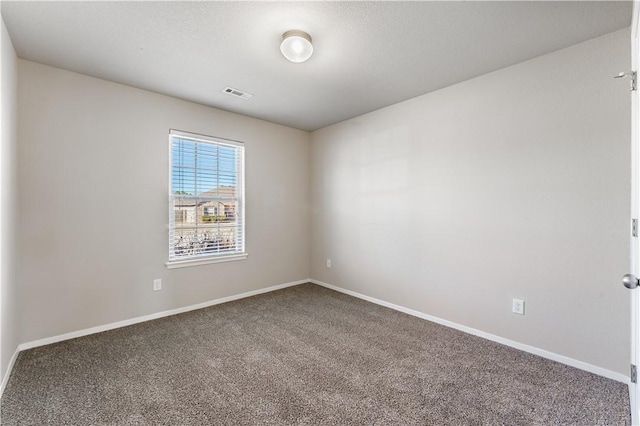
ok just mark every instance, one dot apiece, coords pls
pixel 124 323
pixel 521 346
pixel 5 379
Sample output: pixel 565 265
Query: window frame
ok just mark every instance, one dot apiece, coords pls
pixel 195 260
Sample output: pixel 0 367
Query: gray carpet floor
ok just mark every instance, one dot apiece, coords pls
pixel 303 355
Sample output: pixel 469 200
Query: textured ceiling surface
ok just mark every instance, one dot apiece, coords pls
pixel 367 55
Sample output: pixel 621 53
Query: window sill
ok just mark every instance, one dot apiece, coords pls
pixel 197 262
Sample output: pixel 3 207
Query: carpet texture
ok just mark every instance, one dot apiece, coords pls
pixel 303 355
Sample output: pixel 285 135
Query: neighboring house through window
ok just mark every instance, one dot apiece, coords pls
pixel 206 199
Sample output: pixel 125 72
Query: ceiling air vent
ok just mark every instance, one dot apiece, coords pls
pixel 237 93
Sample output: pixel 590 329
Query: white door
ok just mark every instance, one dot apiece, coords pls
pixel 634 390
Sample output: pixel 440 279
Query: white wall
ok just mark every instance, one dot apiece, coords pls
pixel 515 184
pixel 93 175
pixel 8 124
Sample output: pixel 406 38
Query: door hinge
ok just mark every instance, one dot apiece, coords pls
pixel 632 77
pixel 634 227
pixel 634 374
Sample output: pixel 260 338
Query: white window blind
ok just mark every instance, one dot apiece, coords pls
pixel 206 197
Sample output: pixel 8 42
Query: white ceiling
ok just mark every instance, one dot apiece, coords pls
pixel 367 54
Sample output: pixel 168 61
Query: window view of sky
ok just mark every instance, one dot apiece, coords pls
pixel 201 167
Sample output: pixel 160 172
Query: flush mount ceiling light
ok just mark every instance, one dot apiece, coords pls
pixel 296 46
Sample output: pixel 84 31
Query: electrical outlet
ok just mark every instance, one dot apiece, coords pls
pixel 157 284
pixel 518 306
pixel 329 263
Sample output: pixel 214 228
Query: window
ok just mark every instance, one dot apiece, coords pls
pixel 206 199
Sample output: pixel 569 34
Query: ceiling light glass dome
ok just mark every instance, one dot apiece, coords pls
pixel 296 46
